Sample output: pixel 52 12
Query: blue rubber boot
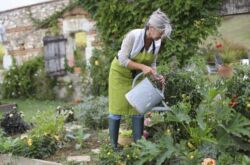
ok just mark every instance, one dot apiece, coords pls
pixel 114 132
pixel 137 126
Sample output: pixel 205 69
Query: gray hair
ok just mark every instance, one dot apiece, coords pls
pixel 160 21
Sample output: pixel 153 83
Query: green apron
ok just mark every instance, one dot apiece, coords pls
pixel 120 82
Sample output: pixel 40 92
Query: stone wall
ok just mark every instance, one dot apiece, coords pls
pixel 232 7
pixel 24 40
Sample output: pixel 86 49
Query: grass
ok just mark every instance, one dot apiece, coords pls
pixel 31 107
pixel 237 29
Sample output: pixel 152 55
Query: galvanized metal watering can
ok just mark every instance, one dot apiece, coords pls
pixel 145 96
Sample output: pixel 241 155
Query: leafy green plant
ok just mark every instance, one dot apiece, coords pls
pixel 93 112
pixel 189 134
pixel 46 123
pixel 28 80
pixel 1 55
pixel 35 147
pixel 67 112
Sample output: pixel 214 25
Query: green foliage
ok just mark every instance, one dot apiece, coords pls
pixel 40 142
pixel 93 112
pixel 28 81
pixel 1 55
pixel 46 123
pixel 192 21
pixel 66 112
pixel 230 52
pixel 99 71
pixel 35 147
pixel 210 129
pixel 52 21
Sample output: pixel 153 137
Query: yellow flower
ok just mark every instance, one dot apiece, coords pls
pixel 108 153
pixel 29 142
pixel 191 157
pixel 23 136
pixel 96 62
pixel 248 105
pixel 127 156
pixel 57 138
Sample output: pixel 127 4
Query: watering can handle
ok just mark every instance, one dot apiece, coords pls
pixel 140 74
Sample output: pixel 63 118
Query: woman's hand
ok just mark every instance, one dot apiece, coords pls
pixel 159 78
pixel 147 70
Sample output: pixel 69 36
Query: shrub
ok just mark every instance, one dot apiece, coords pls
pixel 67 112
pixel 46 123
pixel 13 123
pixel 93 112
pixel 28 80
pixel 38 147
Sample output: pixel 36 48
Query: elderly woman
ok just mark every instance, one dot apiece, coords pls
pixel 138 53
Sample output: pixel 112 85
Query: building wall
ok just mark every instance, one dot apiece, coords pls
pixel 24 40
pixel 231 7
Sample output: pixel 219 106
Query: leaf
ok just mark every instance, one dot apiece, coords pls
pixel 200 118
pixel 239 125
pixel 168 148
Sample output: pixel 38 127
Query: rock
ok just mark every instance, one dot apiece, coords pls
pixel 85 158
pixel 96 151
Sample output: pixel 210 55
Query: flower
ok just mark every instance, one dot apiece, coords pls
pixel 145 134
pixel 218 45
pixel 248 105
pixel 23 136
pixel 10 115
pixel 147 121
pixel 208 161
pixel 57 138
pixel 29 142
pixel 97 62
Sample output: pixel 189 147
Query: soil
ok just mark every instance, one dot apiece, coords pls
pixel 69 150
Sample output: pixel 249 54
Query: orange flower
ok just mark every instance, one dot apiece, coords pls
pixel 208 161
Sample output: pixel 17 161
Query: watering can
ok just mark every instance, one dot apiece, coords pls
pixel 145 96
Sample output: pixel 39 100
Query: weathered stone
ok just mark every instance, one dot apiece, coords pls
pixel 85 158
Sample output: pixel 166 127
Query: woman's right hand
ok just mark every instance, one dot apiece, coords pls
pixel 147 70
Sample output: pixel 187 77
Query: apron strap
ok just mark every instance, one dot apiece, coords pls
pixel 135 72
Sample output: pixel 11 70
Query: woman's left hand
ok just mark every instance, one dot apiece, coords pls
pixel 159 78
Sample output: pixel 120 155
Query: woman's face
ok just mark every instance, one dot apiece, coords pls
pixel 154 33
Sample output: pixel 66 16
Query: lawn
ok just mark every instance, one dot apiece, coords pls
pixel 237 29
pixel 31 107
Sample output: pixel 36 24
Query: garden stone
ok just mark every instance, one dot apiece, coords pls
pixel 84 158
pixel 96 151
pixel 14 160
pixel 71 127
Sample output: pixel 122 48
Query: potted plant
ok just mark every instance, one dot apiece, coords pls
pixel 125 137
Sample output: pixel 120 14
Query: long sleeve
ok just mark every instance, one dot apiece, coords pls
pixel 126 47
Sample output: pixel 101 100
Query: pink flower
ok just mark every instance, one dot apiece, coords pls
pixel 147 121
pixel 145 134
